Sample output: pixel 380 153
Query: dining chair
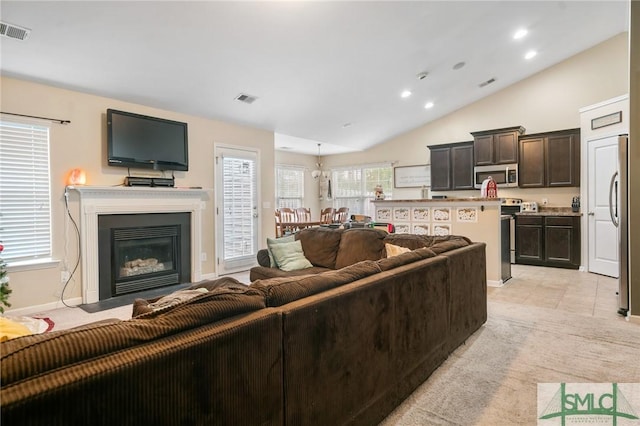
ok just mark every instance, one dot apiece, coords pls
pixel 341 215
pixel 288 215
pixel 303 214
pixel 326 215
pixel 284 215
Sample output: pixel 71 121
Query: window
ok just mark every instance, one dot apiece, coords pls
pixel 289 186
pixel 354 187
pixel 25 217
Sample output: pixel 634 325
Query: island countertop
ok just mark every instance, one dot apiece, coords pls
pixel 442 200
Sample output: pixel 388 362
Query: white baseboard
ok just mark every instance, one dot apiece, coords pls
pixel 41 308
pixel 494 283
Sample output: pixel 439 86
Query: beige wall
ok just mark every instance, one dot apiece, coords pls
pixel 83 144
pixel 547 101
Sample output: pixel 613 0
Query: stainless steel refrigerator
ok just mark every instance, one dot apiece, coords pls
pixel 618 209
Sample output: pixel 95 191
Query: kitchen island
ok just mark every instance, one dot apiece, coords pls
pixel 475 218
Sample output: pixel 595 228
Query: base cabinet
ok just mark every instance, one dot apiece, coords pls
pixel 548 241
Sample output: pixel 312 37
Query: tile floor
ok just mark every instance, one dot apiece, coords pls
pixel 565 290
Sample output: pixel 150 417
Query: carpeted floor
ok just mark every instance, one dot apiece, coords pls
pixel 492 379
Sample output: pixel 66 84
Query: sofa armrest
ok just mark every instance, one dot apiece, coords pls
pixel 263 258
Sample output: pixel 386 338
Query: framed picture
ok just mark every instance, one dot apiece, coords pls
pixel 412 176
pixel 606 120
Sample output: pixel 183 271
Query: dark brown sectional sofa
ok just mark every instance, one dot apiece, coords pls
pixel 343 345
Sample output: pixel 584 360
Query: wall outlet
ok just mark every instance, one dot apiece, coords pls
pixel 203 257
pixel 64 276
pixel 545 201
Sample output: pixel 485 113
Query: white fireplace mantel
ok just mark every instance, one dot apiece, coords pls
pixel 101 200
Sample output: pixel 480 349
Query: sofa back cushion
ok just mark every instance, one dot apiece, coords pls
pixel 320 245
pixel 31 355
pixel 405 258
pixel 435 243
pixel 449 243
pixel 282 290
pixel 360 244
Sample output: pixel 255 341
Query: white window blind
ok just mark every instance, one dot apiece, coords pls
pixel 25 200
pixel 354 187
pixel 239 187
pixel 289 186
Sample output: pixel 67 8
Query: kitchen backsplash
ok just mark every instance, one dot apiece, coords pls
pixel 556 197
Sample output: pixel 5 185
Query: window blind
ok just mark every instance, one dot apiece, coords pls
pixel 239 183
pixel 354 187
pixel 289 186
pixel 25 200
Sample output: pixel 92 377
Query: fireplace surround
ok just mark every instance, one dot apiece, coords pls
pixel 96 201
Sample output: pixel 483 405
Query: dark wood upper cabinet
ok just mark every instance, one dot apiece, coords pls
pixel 498 146
pixel 451 166
pixel 549 159
pixel 462 166
pixel 563 159
pixel 440 168
pixel 531 166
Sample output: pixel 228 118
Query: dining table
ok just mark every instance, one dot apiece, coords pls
pixel 296 226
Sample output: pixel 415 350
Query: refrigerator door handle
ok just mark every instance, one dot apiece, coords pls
pixel 614 216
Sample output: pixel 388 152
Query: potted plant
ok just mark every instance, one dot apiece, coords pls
pixel 5 291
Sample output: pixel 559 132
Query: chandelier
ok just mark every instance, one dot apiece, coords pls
pixel 318 171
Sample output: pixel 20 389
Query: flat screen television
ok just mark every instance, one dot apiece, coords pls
pixel 140 141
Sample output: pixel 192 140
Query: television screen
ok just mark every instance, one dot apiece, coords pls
pixel 139 141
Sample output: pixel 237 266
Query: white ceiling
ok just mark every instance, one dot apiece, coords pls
pixel 314 66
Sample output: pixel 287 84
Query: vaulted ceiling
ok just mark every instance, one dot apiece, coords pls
pixel 322 72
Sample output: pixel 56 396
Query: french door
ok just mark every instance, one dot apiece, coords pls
pixel 236 210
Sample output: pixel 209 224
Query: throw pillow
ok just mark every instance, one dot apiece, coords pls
pixel 289 256
pixel 393 250
pixel 273 241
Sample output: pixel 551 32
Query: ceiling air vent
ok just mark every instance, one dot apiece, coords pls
pixel 14 31
pixel 485 83
pixel 247 99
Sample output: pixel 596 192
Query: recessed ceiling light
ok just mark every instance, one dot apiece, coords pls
pixel 458 65
pixel 520 33
pixel 428 105
pixel 530 54
pixel 405 94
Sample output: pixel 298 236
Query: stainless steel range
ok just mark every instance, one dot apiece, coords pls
pixel 511 206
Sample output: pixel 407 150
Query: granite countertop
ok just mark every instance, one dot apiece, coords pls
pixel 551 211
pixel 442 200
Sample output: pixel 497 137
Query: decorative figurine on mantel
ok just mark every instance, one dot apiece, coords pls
pixel 379 193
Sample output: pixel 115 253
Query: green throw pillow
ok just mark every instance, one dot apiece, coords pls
pixel 290 257
pixel 273 241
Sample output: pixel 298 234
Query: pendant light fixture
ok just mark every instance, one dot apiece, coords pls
pixel 318 171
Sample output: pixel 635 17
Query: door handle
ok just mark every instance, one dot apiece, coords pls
pixel 591 214
pixel 614 216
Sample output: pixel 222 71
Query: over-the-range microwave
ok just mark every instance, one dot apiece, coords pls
pixel 505 175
